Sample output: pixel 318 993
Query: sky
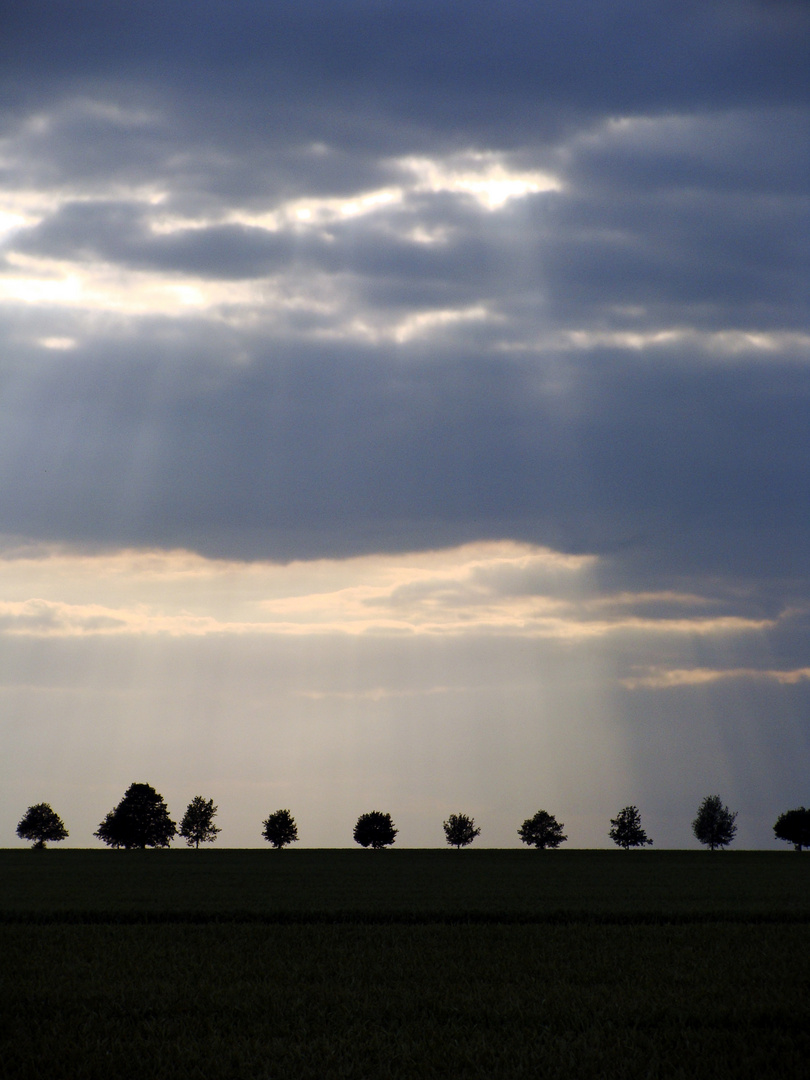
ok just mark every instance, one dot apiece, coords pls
pixel 404 406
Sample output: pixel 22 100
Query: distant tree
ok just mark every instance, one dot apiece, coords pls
pixel 140 820
pixel 460 830
pixel 542 831
pixel 714 825
pixel 280 829
pixel 794 827
pixel 197 826
pixel 40 823
pixel 626 830
pixel 375 830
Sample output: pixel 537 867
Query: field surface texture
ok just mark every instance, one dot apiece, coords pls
pixel 406 964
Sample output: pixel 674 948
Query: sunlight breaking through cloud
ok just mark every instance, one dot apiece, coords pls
pixel 495 588
pixel 347 359
pixel 484 175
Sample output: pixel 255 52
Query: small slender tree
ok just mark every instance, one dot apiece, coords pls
pixel 40 823
pixel 626 830
pixel 542 831
pixel 197 826
pixel 140 820
pixel 794 827
pixel 714 825
pixel 280 829
pixel 375 830
pixel 460 830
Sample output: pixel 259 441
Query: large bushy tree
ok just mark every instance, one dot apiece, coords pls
pixel 626 830
pixel 40 823
pixel 714 825
pixel 280 829
pixel 140 820
pixel 197 826
pixel 460 830
pixel 375 830
pixel 542 831
pixel 794 827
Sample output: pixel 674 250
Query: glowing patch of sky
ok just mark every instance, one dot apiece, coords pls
pixel 730 342
pixel 500 589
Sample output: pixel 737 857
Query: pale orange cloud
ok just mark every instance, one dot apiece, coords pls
pixel 662 679
pixel 500 588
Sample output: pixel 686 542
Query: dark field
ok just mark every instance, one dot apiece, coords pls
pixel 411 964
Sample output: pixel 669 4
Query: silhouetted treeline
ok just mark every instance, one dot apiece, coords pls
pixel 141 820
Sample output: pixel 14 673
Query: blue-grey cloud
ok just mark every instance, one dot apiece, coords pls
pixel 613 363
pixel 334 450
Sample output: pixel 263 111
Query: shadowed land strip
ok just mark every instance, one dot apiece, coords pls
pixel 401 918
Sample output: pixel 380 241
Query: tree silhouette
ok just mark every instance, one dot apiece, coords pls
pixel 140 820
pixel 460 830
pixel 375 830
pixel 542 831
pixel 280 829
pixel 626 830
pixel 714 825
pixel 40 823
pixel 794 827
pixel 197 826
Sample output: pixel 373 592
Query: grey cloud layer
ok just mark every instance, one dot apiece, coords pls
pixel 421 60
pixel 299 423
pixel 335 452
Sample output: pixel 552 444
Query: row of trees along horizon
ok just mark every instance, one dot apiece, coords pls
pixel 141 820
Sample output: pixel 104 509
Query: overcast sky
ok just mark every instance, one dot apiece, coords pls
pixel 405 406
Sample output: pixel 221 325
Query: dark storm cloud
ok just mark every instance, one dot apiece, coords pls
pixel 245 90
pixel 644 219
pixel 390 267
pixel 118 232
pixel 334 451
pixel 677 140
pixel 418 60
pixel 690 261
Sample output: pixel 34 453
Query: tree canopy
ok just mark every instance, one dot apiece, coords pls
pixel 626 830
pixel 542 831
pixel 197 826
pixel 280 829
pixel 375 830
pixel 794 827
pixel 460 830
pixel 40 823
pixel 714 825
pixel 140 820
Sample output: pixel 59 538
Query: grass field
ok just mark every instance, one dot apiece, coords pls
pixel 411 964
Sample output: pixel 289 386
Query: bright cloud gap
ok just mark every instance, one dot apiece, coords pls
pixel 488 588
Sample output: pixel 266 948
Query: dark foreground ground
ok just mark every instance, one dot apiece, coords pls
pixel 407 964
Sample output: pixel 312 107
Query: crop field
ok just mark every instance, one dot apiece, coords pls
pixel 406 964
